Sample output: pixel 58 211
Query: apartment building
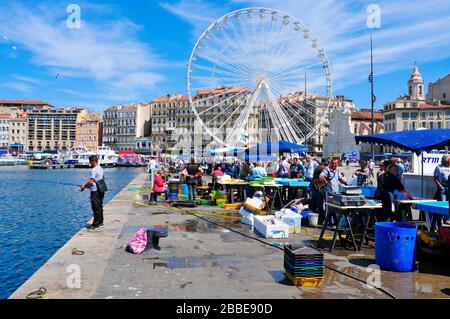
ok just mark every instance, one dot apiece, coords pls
pixel 119 127
pixel 52 129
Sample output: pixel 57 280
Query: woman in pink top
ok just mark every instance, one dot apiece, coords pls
pixel 218 172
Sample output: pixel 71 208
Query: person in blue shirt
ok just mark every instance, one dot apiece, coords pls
pixel 259 171
pixel 297 169
pixel 236 168
pixel 310 167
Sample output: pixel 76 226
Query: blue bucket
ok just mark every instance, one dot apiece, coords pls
pixel 173 195
pixel 395 246
pixel 184 189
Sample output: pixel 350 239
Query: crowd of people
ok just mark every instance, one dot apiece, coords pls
pixel 324 175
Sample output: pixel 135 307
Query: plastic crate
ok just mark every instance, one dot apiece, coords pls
pixel 232 206
pixel 208 202
pixel 305 282
pixel 220 202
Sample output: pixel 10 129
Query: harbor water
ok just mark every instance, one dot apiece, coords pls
pixel 40 210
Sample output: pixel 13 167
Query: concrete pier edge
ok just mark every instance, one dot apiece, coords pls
pixel 61 271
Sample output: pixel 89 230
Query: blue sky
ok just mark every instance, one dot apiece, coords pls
pixel 133 51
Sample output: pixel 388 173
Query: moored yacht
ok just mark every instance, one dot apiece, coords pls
pixel 107 157
pixel 9 160
pixel 74 155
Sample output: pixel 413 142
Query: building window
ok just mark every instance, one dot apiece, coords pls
pixel 405 126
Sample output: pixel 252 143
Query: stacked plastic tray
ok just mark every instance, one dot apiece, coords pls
pixel 304 266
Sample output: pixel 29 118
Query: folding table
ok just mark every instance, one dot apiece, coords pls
pixel 335 214
pixel 432 208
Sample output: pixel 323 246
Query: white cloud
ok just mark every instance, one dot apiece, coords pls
pixel 199 13
pixel 27 79
pixel 17 86
pixel 108 53
pixel 411 30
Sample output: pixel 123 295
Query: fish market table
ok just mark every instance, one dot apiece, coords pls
pixel 230 186
pixel 273 191
pixel 347 214
pixel 403 209
pixel 403 205
pixel 431 209
pixel 292 185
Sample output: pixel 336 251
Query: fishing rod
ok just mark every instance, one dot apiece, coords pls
pixel 45 182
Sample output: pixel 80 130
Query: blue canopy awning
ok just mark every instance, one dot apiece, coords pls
pixel 184 156
pixel 223 151
pixel 278 147
pixel 258 158
pixel 415 141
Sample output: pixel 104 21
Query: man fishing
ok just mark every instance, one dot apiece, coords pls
pixel 97 186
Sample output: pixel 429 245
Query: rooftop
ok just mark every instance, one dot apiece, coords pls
pixel 171 98
pixel 433 106
pixel 121 107
pixel 23 102
pixel 367 115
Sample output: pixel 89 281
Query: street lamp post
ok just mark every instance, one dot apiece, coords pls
pixel 372 96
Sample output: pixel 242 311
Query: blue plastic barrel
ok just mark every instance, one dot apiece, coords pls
pixel 173 195
pixel 184 189
pixel 395 246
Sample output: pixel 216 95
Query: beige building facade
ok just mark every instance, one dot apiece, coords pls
pixel 411 112
pixel 439 91
pixel 89 131
pixel 5 122
pixel 169 124
pixel 119 127
pixel 18 130
pixel 51 129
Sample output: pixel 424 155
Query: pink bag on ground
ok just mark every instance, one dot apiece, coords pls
pixel 138 243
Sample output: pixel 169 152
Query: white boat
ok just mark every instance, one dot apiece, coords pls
pixel 9 160
pixel 107 157
pixel 83 160
pixel 74 155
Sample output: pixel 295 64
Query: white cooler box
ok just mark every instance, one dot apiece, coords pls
pixel 293 220
pixel 271 227
pixel 247 217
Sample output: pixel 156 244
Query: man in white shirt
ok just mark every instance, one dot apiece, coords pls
pixel 97 195
pixel 441 175
pixel 152 169
pixel 372 171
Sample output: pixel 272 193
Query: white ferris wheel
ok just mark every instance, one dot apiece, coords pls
pixel 249 77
